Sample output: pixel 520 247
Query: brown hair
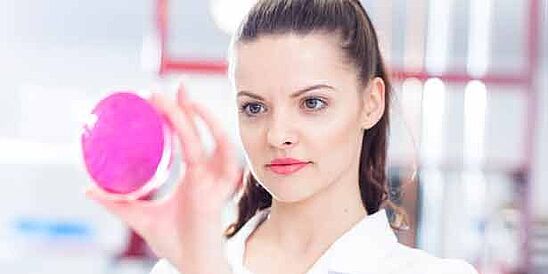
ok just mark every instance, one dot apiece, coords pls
pixel 358 38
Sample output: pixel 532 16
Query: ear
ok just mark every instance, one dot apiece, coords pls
pixel 372 103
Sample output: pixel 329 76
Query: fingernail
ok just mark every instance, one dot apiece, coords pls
pixel 89 194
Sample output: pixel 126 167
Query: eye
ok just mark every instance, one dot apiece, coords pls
pixel 314 103
pixel 251 109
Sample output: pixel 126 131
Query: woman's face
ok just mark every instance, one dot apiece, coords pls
pixel 298 99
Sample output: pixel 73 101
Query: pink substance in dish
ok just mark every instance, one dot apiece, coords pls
pixel 126 144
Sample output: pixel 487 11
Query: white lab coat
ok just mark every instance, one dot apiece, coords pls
pixel 369 247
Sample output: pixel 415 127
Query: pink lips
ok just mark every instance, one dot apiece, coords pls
pixel 286 166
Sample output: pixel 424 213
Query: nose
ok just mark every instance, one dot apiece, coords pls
pixel 280 132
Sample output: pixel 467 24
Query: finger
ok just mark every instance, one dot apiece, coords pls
pixel 223 158
pixel 182 97
pixel 241 178
pixel 223 154
pixel 238 183
pixel 183 102
pixel 183 125
pixel 132 212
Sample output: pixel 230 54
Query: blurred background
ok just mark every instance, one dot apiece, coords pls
pixel 469 139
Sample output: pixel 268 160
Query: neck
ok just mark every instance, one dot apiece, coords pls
pixel 317 221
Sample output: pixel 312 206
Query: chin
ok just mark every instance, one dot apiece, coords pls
pixel 289 195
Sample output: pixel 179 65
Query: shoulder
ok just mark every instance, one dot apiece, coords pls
pixel 163 267
pixel 404 259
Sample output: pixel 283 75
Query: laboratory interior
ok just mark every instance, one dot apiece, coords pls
pixel 468 144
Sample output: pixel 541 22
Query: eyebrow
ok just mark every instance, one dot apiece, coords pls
pixel 296 94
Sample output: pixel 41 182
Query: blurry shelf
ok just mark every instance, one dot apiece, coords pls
pixel 452 165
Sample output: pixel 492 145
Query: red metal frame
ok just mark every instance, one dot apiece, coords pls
pixel 456 77
pixel 526 79
pixel 167 63
pixel 170 65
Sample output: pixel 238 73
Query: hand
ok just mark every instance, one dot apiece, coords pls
pixel 185 226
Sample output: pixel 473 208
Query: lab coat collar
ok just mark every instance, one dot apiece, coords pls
pixel 359 250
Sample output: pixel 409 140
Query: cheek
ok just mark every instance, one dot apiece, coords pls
pixel 335 131
pixel 251 138
pixel 337 143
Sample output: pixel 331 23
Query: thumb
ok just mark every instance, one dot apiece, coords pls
pixel 134 213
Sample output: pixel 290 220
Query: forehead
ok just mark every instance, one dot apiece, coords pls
pixel 289 60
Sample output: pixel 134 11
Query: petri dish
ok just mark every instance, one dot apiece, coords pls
pixel 127 146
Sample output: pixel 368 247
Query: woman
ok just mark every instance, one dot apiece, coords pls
pixel 313 98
